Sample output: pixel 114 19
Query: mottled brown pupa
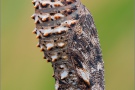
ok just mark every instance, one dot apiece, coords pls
pixel 68 37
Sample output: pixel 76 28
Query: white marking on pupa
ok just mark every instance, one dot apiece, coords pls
pixel 83 74
pixel 56 85
pixel 34 31
pixel 68 22
pixel 84 66
pixel 70 81
pixel 38 45
pixel 58 3
pixel 44 16
pixel 71 88
pixel 79 37
pixel 64 57
pixel 85 55
pixel 86 69
pixel 61 44
pixel 60 29
pixel 38 34
pixel 86 35
pixel 79 48
pixel 75 42
pixel 62 66
pixel 54 57
pixel 93 70
pixel 48 30
pixel 94 42
pixel 36 4
pixel 93 26
pixel 58 14
pixel 33 16
pixel 41 48
pixel 74 83
pixel 75 78
pixel 49 46
pixel 99 66
pixel 96 87
pixel 64 74
pixel 53 4
pixel 36 19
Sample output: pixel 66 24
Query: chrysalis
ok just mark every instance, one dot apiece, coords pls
pixel 68 37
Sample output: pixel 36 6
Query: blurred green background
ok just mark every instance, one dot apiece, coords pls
pixel 22 65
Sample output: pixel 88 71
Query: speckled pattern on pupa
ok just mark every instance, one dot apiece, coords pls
pixel 69 40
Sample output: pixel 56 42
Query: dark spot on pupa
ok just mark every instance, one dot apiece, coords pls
pixel 60 82
pixel 70 29
pixel 52 13
pixel 47 5
pixel 88 49
pixel 77 17
pixel 98 51
pixel 69 2
pixel 48 35
pixel 37 7
pixel 38 22
pixel 52 0
pixel 33 3
pixel 98 58
pixel 60 58
pixel 70 72
pixel 52 27
pixel 64 51
pixel 91 82
pixel 55 40
pixel 91 45
pixel 76 58
pixel 92 64
pixel 75 37
pixel 46 20
pixel 73 24
pixel 58 53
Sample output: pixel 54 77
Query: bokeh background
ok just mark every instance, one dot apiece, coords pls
pixel 22 65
